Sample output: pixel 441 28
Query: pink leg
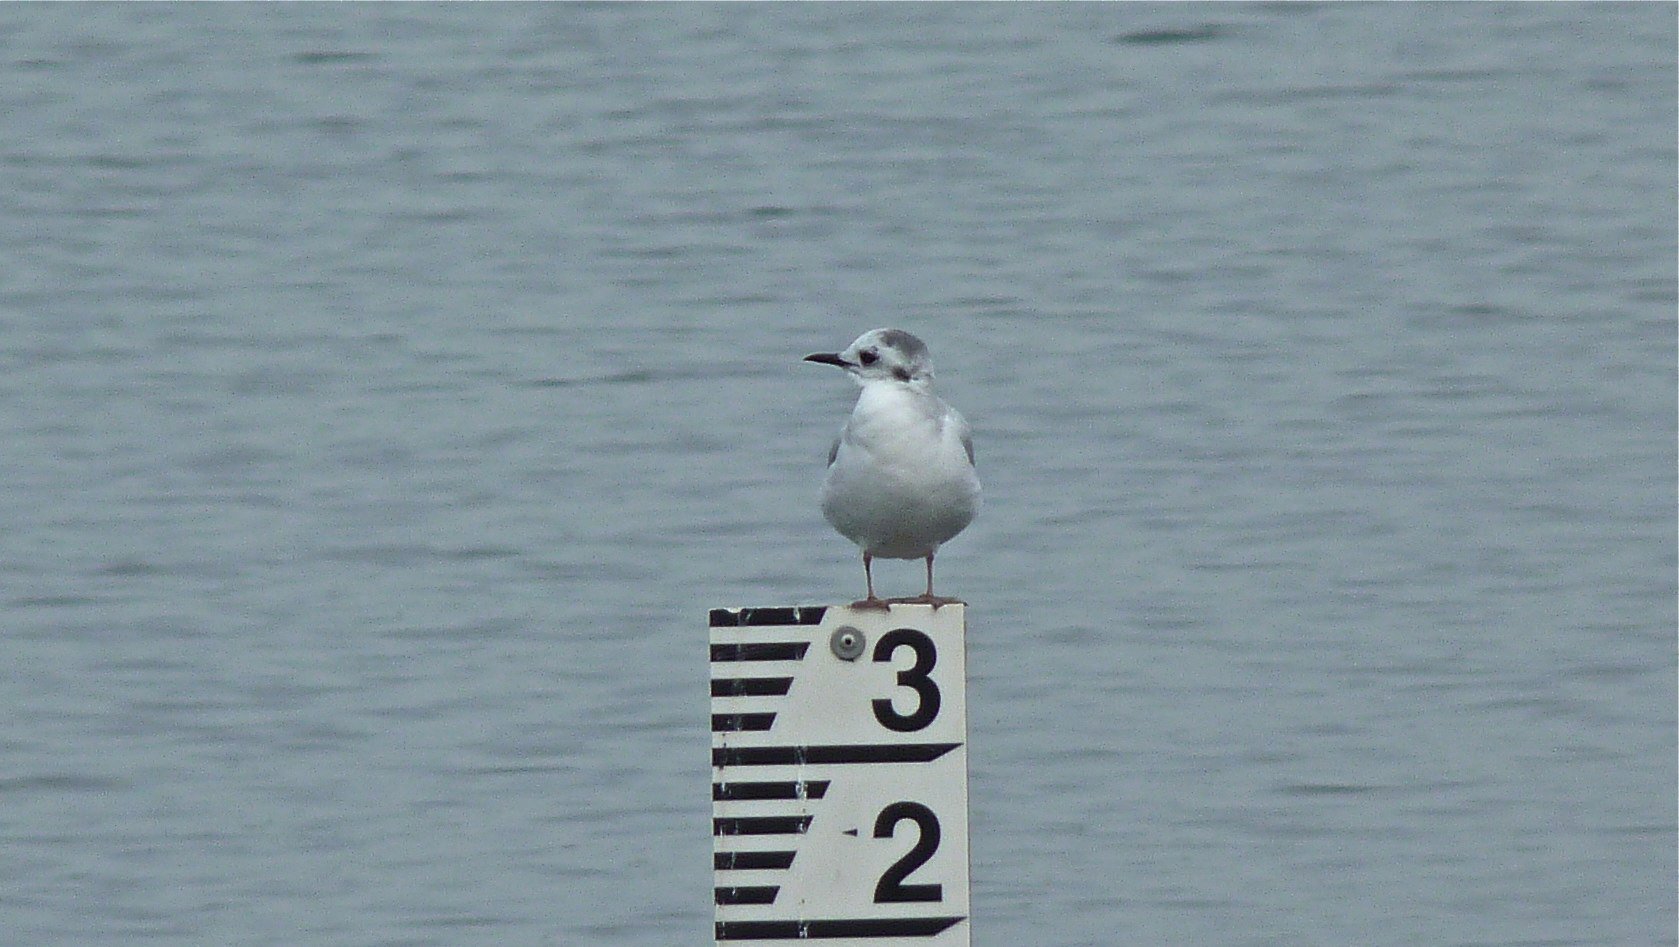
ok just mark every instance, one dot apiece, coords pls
pixel 928 598
pixel 868 577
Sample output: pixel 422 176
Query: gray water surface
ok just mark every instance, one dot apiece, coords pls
pixel 387 391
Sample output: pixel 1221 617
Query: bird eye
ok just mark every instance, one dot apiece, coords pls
pixel 868 357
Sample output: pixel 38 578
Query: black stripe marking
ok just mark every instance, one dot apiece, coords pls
pixel 732 792
pixel 738 617
pixel 733 723
pixel 760 651
pixel 750 686
pixel 859 753
pixel 750 894
pixel 751 861
pixel 761 825
pixel 795 930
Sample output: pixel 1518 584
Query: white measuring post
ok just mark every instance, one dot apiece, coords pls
pixel 839 775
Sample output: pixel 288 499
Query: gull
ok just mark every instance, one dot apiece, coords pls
pixel 901 478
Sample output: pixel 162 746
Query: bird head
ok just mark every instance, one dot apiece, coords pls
pixel 882 355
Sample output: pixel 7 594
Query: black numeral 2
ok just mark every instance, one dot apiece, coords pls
pixel 891 886
pixel 916 678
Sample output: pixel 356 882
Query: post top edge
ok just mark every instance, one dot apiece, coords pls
pixel 813 614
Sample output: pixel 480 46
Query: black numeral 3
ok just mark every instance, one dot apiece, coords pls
pixel 915 678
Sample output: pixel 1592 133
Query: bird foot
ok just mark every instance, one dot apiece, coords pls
pixel 872 602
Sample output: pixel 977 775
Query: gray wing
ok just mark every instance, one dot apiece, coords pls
pixel 834 450
pixel 942 414
pixel 963 433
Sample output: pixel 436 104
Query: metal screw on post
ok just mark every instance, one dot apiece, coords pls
pixel 847 643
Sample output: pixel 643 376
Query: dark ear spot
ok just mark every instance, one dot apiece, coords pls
pixel 911 346
pixel 900 373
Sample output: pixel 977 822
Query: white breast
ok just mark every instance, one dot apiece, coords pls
pixel 901 483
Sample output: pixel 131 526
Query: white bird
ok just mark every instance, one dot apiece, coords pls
pixel 901 478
